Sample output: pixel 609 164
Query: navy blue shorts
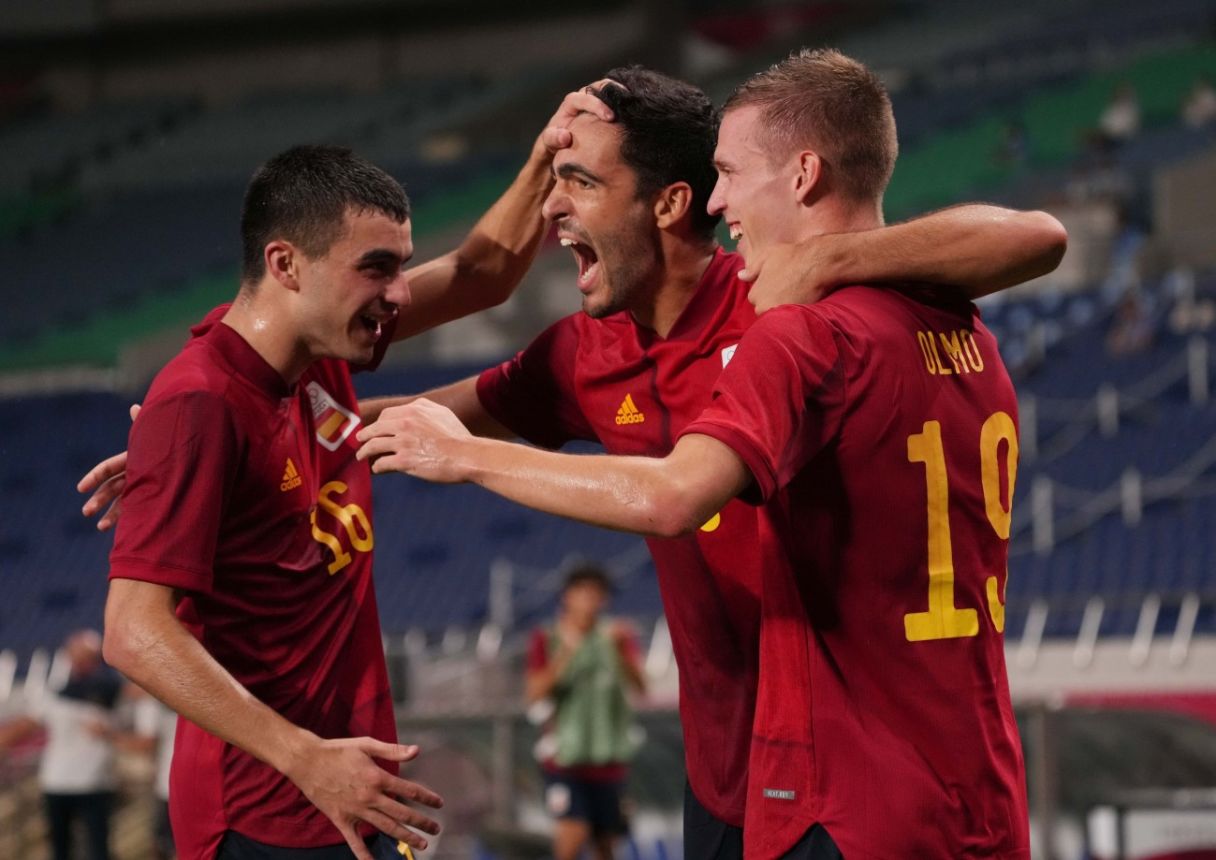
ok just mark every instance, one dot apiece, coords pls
pixel 598 803
pixel 710 838
pixel 707 837
pixel 234 846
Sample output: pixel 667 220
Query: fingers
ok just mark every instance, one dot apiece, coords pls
pixel 387 751
pixel 401 814
pixel 110 519
pixel 395 829
pixel 104 495
pixel 412 791
pixel 375 447
pixel 357 846
pixel 102 472
pixel 134 411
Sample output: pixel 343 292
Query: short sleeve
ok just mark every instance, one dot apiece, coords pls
pixel 181 464
pixel 780 400
pixel 533 394
pixel 538 650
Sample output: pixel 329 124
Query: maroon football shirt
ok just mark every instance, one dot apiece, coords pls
pixel 881 433
pixel 245 494
pixel 618 383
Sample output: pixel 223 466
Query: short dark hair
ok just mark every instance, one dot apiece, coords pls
pixel 587 572
pixel 669 129
pixel 302 195
pixel 834 104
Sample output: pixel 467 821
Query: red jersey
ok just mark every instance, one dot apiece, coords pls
pixel 881 432
pixel 244 493
pixel 620 384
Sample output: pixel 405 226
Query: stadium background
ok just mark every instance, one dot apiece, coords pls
pixel 127 130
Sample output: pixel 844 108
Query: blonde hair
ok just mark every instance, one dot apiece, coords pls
pixel 822 100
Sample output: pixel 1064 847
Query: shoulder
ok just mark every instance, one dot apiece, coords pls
pixel 198 369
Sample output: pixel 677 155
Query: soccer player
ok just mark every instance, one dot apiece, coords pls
pixel 878 431
pixel 664 309
pixel 241 591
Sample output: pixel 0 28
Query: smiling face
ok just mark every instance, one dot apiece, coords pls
pixel 600 217
pixel 347 294
pixel 755 190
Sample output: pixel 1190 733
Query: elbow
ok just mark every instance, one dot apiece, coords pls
pixel 675 513
pixel 125 641
pixel 1050 237
pixel 116 647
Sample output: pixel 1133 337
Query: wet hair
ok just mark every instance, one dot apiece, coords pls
pixel 822 100
pixel 669 129
pixel 303 195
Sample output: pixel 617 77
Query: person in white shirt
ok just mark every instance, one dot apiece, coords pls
pixel 77 771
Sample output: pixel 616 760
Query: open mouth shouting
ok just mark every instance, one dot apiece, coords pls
pixel 373 320
pixel 588 261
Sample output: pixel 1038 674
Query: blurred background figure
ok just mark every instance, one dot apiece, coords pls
pixel 77 773
pixel 1120 119
pixel 584 666
pixel 1199 109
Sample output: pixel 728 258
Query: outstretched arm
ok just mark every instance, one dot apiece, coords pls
pixel 461 397
pixel 105 481
pixel 662 497
pixel 491 261
pixel 145 641
pixel 979 249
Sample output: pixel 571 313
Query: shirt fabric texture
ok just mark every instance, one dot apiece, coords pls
pixel 618 383
pixel 244 493
pixel 881 435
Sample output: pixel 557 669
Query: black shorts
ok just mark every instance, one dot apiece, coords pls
pixel 710 838
pixel 596 802
pixel 234 846
pixel 707 837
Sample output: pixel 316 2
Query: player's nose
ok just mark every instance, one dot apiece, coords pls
pixel 556 205
pixel 717 200
pixel 398 292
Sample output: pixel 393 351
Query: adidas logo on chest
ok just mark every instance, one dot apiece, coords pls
pixel 629 413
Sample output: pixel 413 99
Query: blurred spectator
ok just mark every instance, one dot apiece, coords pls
pixel 584 665
pixel 1120 119
pixel 1199 109
pixel 77 772
pixel 156 725
pixel 1131 330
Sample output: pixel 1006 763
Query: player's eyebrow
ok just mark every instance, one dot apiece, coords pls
pixel 570 169
pixel 381 257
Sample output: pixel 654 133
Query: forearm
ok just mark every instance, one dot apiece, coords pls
pixel 491 261
pixel 149 645
pixel 978 248
pixel 461 397
pixel 633 494
pixel 541 683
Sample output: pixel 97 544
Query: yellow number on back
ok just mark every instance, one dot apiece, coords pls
pixel 943 620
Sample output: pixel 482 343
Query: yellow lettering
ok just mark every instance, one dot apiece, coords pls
pixel 972 350
pixel 927 351
pixel 954 351
pixel 941 368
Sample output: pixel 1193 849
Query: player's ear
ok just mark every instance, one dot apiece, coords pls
pixel 672 204
pixel 808 177
pixel 282 263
